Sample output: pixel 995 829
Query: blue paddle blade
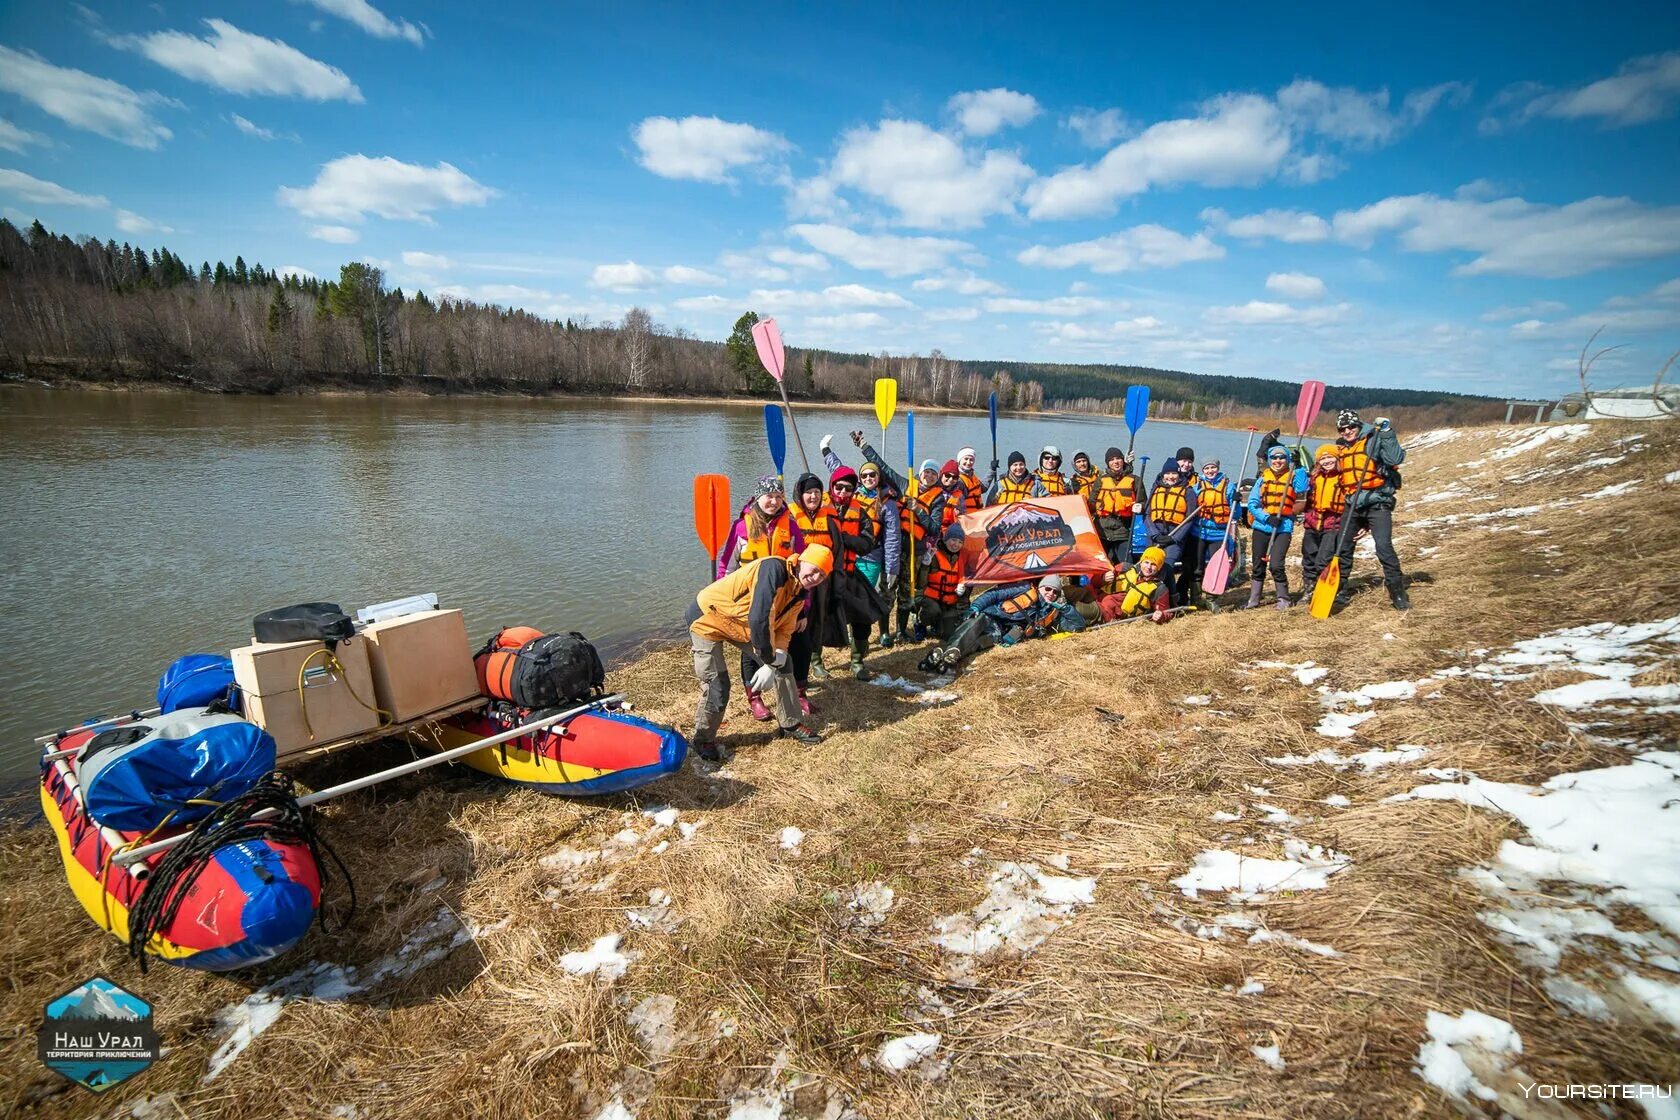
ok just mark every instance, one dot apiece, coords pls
pixel 991 408
pixel 1137 407
pixel 774 433
pixel 910 439
pixel 1140 533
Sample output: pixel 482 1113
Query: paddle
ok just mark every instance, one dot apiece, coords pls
pixel 1137 411
pixel 886 403
pixel 1330 579
pixel 1140 521
pixel 1118 622
pixel 1306 410
pixel 711 513
pixel 775 434
pixel 915 485
pixel 1217 576
pixel 991 409
pixel 767 338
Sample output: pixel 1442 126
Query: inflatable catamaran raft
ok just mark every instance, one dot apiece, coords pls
pixel 179 835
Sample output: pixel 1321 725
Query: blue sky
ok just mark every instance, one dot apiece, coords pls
pixel 1452 198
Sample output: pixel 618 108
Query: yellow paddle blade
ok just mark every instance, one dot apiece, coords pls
pixel 1324 591
pixel 886 399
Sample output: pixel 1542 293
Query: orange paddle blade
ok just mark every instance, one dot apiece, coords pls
pixel 1324 591
pixel 711 511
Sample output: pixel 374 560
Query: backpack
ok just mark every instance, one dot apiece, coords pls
pixel 198 680
pixel 143 774
pixel 305 622
pixel 536 670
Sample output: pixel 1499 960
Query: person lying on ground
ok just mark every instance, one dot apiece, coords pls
pixel 1278 496
pixel 1370 457
pixel 1047 480
pixel 1005 615
pixel 1015 486
pixel 756 607
pixel 1141 589
pixel 1323 519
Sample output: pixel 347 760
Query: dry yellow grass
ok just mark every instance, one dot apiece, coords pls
pixel 1117 1013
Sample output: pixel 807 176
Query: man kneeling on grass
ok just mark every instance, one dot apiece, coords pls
pixel 757 608
pixel 1006 615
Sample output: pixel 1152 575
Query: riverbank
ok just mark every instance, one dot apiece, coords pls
pixel 1142 871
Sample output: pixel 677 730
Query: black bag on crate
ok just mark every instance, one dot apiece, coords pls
pixel 549 671
pixel 305 622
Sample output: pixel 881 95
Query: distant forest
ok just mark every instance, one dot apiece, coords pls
pixel 91 310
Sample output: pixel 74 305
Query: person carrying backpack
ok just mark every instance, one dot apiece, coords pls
pixel 1370 456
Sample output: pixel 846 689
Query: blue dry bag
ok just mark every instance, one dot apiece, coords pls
pixel 197 679
pixel 136 776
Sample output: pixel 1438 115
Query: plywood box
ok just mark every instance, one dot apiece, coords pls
pixel 421 662
pixel 335 697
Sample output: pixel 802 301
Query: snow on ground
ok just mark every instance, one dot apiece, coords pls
pixel 656 914
pixel 1529 439
pixel 866 904
pixel 602 959
pixel 1461 1051
pixel 790 838
pixel 1615 489
pixel 1340 725
pixel 614 1109
pixel 654 1021
pixel 1306 867
pixel 933 692
pixel 1282 937
pixel 1197 701
pixel 1023 906
pixel 1270 1055
pixel 1472 518
pixel 1672 476
pixel 1365 760
pixel 907 1051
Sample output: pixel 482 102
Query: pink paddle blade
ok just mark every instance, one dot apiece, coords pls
pixel 1217 576
pixel 1306 409
pixel 768 338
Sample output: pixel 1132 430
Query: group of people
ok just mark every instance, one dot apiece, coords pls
pixel 828 566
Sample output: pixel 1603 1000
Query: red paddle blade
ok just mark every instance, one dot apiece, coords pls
pixel 1306 409
pixel 711 511
pixel 1324 591
pixel 767 337
pixel 1218 574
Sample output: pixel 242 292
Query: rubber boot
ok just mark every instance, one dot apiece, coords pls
pixel 818 673
pixel 886 640
pixel 1283 602
pixel 804 703
pixel 755 701
pixel 858 671
pixel 1397 596
pixel 708 750
pixel 1254 595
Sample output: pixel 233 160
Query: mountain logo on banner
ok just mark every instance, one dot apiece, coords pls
pixel 1029 537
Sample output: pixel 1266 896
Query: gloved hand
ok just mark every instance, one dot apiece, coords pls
pixel 780 661
pixel 994 466
pixel 857 436
pixel 765 679
pixel 822 444
pixel 1382 422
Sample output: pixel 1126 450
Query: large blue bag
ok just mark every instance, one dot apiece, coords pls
pixel 139 775
pixel 197 679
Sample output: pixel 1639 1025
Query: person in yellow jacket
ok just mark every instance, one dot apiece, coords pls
pixel 1084 475
pixel 755 608
pixel 1140 590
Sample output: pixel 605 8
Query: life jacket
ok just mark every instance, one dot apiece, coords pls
pixel 1326 494
pixel 947 513
pixel 975 491
pixel 1277 492
pixel 1114 497
pixel 1355 466
pixel 943 576
pixel 870 504
pixel 815 524
pixel 1052 481
pixel 1082 483
pixel 726 605
pixel 778 543
pixel 850 522
pixel 1169 505
pixel 1010 491
pixel 1137 594
pixel 1017 606
pixel 1214 502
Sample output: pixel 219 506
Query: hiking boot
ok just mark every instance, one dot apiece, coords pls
pixel 708 750
pixel 859 672
pixel 933 662
pixel 1399 599
pixel 918 633
pixel 799 733
pixel 1254 595
pixel 755 701
pixel 886 640
pixel 804 703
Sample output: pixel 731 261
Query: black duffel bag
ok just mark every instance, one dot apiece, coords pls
pixel 553 671
pixel 305 622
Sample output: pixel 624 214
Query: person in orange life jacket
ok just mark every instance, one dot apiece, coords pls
pixel 856 604
pixel 813 515
pixel 1116 496
pixel 1172 508
pixel 1216 497
pixel 1278 495
pixel 755 607
pixel 1084 475
pixel 895 503
pixel 1016 485
pixel 1139 590
pixel 1323 519
pixel 1185 461
pixel 766 528
pixel 1005 615
pixel 1047 480
pixel 944 601
pixel 1370 457
pixel 881 565
pixel 972 486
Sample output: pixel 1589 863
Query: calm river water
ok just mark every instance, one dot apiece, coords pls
pixel 135 527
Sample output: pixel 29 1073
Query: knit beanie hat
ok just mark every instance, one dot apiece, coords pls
pixel 1186 453
pixel 843 474
pixel 806 482
pixel 768 484
pixel 929 465
pixel 1155 554
pixel 950 467
pixel 1017 457
pixel 1049 583
pixel 1114 453
pixel 819 556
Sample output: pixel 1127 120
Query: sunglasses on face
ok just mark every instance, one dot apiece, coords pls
pixel 846 486
pixel 1348 428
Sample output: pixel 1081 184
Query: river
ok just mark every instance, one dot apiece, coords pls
pixel 141 526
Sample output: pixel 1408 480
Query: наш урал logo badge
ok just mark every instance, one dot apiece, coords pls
pixel 97 1035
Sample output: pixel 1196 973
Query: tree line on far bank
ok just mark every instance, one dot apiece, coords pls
pixel 100 310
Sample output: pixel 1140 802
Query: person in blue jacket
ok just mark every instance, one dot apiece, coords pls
pixel 1005 615
pixel 1278 496
pixel 1216 498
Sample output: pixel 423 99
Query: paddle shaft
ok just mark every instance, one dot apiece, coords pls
pixel 1332 573
pixel 1231 520
pixel 794 424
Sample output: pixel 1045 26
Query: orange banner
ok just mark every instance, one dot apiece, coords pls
pixel 1036 537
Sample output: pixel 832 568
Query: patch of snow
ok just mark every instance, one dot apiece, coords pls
pixel 1336 800
pixel 1251 988
pixel 1366 760
pixel 662 816
pixel 1444 495
pixel 1270 1056
pixel 1340 725
pixel 1615 489
pixel 899 1054
pixel 656 914
pixel 1281 937
pixel 1660 996
pixel 1225 818
pixel 1197 701
pixel 1390 690
pixel 601 959
pixel 1672 476
pixel 1459 1049
pixel 866 904
pixel 1022 907
pixel 1307 868
pixel 1275 815
pixel 1432 438
pixel 654 1020
pixel 1530 439
pixel 1473 518
pixel 1590 694
pixel 614 1109
pixel 790 838
pixel 756 1106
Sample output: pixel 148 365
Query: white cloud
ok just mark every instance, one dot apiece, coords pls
pixel 1527 326
pixel 703 148
pixel 337 235
pixel 371 19
pixel 983 112
pixel 1146 246
pixel 952 315
pixel 1144 336
pixel 851 321
pixel 250 129
pixel 927 176
pixel 1295 285
pixel 413 258
pixel 1357 118
pixel 836 296
pixel 1644 89
pixel 880 252
pixel 752 268
pixel 130 222
pixel 628 276
pixel 1068 306
pixel 350 187
pixel 706 303
pixel 290 270
pixel 1237 139
pixel 45 192
pixel 962 283
pixel 1526 311
pixel 82 100
pixel 1516 237
pixel 243 63
pixel 683 274
pixel 1293 226
pixel 793 258
pixel 1261 313
pixel 1098 129
pixel 817 198
pixel 15 139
